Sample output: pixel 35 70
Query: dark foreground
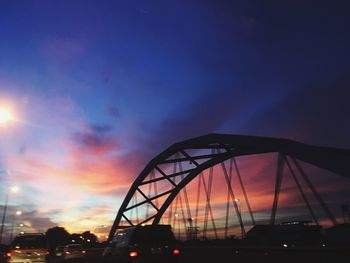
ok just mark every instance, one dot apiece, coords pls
pixel 247 255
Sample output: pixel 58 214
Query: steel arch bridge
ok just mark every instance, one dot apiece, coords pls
pixel 173 169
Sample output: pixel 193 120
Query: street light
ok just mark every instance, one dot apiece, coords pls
pixel 6 115
pixel 175 222
pixel 18 213
pixel 238 203
pixel 13 189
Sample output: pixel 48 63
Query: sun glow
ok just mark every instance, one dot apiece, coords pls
pixel 6 115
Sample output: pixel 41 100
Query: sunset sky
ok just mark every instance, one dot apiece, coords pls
pixel 98 88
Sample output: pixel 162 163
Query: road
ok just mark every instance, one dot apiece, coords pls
pixel 258 255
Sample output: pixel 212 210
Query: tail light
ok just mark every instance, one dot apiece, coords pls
pixel 176 251
pixel 83 251
pixel 9 254
pixel 133 254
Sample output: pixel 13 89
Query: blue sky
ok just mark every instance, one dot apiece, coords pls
pixel 97 83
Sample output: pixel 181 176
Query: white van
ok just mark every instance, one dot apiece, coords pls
pixel 29 248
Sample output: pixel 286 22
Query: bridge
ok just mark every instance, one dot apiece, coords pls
pixel 177 186
pixel 204 188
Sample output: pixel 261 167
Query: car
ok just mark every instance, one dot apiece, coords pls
pixel 59 251
pixel 149 243
pixel 72 252
pixel 29 248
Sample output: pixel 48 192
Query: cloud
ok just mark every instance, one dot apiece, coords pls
pixel 37 220
pixel 33 222
pixel 101 129
pixel 95 140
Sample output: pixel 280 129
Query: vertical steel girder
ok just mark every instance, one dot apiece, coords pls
pixel 301 190
pixel 335 160
pixel 278 183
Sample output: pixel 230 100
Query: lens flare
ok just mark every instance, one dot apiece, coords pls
pixel 6 115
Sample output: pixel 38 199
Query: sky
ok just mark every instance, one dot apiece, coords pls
pixel 99 88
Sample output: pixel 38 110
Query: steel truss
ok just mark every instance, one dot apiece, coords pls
pixel 169 173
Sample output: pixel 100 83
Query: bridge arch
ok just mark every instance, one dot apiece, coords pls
pixel 195 155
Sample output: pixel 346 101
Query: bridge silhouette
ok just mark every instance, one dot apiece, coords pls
pixel 161 193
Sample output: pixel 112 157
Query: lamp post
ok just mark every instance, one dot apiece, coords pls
pixel 3 218
pixel 13 189
pixel 18 213
pixel 192 230
pixel 178 234
pixel 238 202
pixel 6 116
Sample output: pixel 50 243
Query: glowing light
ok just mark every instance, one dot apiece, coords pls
pixel 6 115
pixel 18 213
pixel 285 245
pixel 27 223
pixel 14 189
pixel 133 254
pixel 176 251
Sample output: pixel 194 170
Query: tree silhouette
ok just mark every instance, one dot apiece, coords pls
pixel 57 236
pixel 89 239
pixel 76 239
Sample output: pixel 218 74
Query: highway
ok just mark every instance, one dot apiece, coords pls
pixel 247 255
